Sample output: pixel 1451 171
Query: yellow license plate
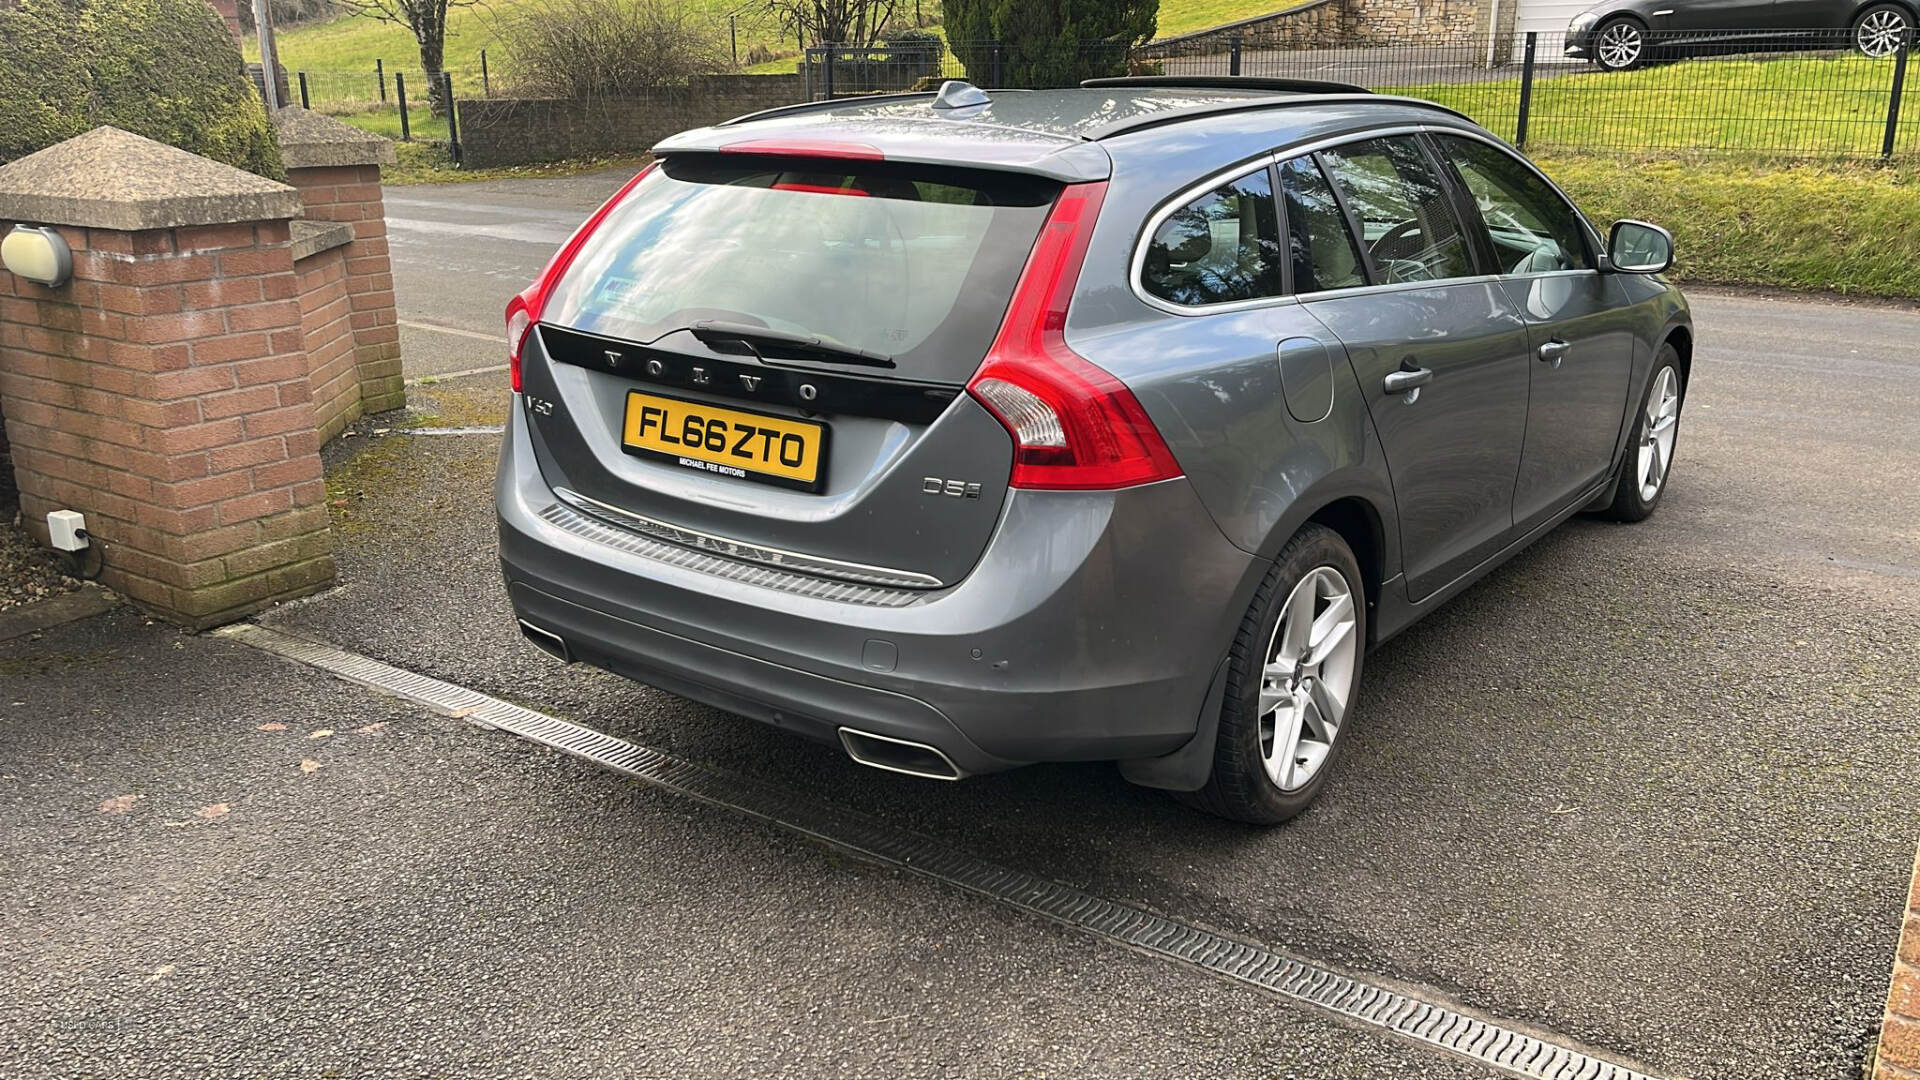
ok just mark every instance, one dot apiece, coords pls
pixel 729 442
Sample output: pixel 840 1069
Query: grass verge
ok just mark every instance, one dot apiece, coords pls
pixel 1848 228
pixel 346 47
pixel 429 163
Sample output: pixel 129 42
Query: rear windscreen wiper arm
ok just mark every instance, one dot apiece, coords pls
pixel 712 330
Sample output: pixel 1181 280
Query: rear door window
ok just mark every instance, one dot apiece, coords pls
pixel 912 264
pixel 1319 244
pixel 1220 248
pixel 1406 216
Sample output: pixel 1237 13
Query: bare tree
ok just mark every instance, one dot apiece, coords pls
pixel 427 19
pixel 857 23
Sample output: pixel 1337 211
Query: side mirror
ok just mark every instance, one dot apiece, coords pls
pixel 1635 247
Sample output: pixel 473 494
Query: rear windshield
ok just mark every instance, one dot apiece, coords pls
pixel 912 264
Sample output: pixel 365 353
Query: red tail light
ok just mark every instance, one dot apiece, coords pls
pixel 1074 425
pixel 524 310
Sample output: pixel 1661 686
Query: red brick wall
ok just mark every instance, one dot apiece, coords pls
pixel 229 11
pixel 165 393
pixel 1899 1055
pixel 351 193
pixel 325 326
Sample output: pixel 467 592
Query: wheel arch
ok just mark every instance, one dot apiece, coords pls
pixel 1360 524
pixel 1681 338
pixel 1911 7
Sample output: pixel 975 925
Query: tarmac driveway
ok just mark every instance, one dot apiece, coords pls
pixel 1648 787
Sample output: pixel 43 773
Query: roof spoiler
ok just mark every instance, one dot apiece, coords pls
pixel 1229 82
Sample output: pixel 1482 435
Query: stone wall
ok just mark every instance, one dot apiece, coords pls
pixel 1321 23
pixel 1327 24
pixel 1412 22
pixel 512 131
pixel 1898 1057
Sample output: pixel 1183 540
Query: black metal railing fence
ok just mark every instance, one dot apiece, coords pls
pixel 1810 92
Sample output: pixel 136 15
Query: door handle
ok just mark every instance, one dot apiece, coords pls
pixel 1554 351
pixel 1407 381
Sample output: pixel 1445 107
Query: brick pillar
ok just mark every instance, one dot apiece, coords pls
pixel 1899 1054
pixel 336 169
pixel 229 11
pixel 164 392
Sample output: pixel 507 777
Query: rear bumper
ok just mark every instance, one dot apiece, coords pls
pixel 1089 630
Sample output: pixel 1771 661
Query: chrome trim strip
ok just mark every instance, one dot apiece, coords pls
pixel 1244 168
pixel 1135 276
pixel 601 531
pixel 747 552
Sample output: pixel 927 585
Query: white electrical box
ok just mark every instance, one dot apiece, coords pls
pixel 67 530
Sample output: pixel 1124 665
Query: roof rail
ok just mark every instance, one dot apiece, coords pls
pixel 1230 82
pixel 821 106
pixel 1217 108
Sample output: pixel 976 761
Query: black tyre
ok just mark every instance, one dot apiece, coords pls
pixel 1620 44
pixel 1882 29
pixel 1648 462
pixel 1292 678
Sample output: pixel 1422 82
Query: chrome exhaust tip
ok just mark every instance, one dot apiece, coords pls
pixel 898 755
pixel 546 641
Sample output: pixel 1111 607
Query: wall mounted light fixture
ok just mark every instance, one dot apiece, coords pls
pixel 39 254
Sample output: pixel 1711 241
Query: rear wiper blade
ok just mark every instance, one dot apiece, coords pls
pixel 833 352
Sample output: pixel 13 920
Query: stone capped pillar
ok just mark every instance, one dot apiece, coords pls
pixel 336 168
pixel 164 392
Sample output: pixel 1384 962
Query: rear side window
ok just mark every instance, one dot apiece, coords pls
pixel 1219 248
pixel 910 263
pixel 1318 241
pixel 1406 217
pixel 1531 227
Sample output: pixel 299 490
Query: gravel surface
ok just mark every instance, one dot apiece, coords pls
pixel 28 572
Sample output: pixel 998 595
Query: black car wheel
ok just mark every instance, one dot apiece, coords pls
pixel 1620 44
pixel 1656 430
pixel 1291 678
pixel 1881 29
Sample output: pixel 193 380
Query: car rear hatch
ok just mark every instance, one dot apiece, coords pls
pixel 768 354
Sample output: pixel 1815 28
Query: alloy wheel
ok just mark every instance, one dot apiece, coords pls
pixel 1620 45
pixel 1881 32
pixel 1657 434
pixel 1308 678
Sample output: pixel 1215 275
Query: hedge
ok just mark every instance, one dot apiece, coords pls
pixel 165 69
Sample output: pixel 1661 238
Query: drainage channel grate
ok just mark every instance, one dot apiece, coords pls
pixel 1439 1026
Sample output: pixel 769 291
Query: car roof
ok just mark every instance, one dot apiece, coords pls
pixel 1054 133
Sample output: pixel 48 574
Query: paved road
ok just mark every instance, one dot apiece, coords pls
pixel 1649 787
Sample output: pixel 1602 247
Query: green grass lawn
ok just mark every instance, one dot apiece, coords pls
pixel 1186 16
pixel 1825 226
pixel 1803 105
pixel 351 43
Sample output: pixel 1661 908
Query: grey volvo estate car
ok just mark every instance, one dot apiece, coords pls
pixel 969 430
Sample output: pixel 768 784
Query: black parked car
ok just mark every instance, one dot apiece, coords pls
pixel 1622 34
